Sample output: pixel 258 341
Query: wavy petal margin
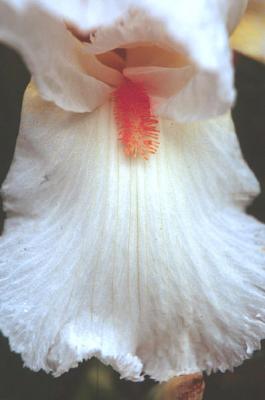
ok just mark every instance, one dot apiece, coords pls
pixel 153 267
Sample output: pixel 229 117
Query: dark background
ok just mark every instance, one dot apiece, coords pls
pixel 92 380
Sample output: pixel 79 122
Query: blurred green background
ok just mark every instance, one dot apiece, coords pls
pixel 92 380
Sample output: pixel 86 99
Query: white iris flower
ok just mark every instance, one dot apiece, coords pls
pixel 150 265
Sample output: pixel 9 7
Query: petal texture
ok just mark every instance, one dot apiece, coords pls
pixel 152 267
pixel 59 64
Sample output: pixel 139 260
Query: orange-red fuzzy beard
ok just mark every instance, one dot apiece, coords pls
pixel 137 126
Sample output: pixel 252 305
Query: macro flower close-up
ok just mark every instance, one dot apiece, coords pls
pixel 126 235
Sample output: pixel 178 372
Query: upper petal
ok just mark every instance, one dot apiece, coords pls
pixel 87 14
pixel 198 29
pixel 63 71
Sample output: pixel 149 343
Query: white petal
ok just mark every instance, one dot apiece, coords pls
pixel 58 62
pixel 151 266
pixel 87 14
pixel 199 29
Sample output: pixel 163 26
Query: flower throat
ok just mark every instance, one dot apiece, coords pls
pixel 137 126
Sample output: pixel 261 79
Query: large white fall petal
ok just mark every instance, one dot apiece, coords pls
pixel 151 266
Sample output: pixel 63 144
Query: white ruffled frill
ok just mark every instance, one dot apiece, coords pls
pixel 153 267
